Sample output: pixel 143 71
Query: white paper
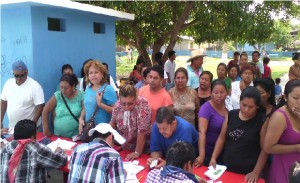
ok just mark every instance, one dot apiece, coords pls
pixel 131 178
pixel 132 168
pixel 64 144
pixel 11 131
pixel 214 174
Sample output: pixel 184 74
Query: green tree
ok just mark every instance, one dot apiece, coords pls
pixel 281 36
pixel 159 23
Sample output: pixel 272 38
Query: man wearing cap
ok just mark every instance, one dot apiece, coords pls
pixel 195 69
pixel 21 97
pixel 97 161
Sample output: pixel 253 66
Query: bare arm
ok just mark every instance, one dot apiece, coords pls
pixel 203 124
pixel 38 112
pixel 45 115
pixel 3 111
pixel 81 118
pixel 261 161
pixel 220 143
pixel 140 143
pixel 276 127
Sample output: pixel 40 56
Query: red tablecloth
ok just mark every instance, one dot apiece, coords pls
pixel 227 177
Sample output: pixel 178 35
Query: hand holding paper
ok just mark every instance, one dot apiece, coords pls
pixel 215 173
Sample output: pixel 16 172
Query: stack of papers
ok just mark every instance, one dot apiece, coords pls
pixel 132 169
pixel 214 174
pixel 64 144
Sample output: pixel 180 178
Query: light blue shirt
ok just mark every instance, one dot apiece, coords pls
pixel 109 98
pixel 193 80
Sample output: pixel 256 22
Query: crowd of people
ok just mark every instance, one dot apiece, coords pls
pixel 182 118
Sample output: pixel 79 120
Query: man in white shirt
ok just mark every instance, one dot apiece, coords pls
pixel 21 97
pixel 169 67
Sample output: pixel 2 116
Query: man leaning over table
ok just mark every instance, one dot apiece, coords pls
pixel 21 97
pixel 179 167
pixel 24 160
pixel 97 161
pixel 167 130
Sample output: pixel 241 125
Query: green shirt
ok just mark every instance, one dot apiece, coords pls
pixel 64 124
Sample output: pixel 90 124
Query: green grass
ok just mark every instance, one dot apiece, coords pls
pixel 124 68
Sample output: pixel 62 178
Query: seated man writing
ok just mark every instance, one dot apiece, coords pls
pixel 180 160
pixel 97 161
pixel 24 160
pixel 167 130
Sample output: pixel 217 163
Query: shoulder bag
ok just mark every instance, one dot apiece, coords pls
pixel 62 96
pixel 90 124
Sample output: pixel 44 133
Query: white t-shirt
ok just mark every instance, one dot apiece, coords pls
pixel 170 68
pixel 236 94
pixel 22 100
pixel 260 65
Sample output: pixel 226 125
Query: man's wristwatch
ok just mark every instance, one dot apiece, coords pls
pixel 137 153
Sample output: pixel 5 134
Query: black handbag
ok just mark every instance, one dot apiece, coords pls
pixel 90 124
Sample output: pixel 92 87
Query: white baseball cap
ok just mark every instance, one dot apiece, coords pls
pixel 104 128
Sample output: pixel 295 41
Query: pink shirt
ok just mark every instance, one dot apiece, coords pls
pixel 155 100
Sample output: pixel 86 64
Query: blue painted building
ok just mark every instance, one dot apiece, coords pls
pixel 46 34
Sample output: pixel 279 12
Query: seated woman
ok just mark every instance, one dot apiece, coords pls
pixel 240 138
pixel 131 117
pixel 97 94
pixel 283 134
pixel 211 117
pixel 65 123
pixel 185 100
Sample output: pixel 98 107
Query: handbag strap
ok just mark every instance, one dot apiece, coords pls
pixel 97 107
pixel 62 96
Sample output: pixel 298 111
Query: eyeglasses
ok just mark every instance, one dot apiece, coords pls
pixel 20 75
pixel 126 103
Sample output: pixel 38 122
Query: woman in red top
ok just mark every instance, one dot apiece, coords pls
pixel 267 69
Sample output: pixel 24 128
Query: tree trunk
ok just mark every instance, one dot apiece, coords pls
pixel 224 52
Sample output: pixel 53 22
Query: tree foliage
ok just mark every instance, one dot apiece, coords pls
pixel 159 23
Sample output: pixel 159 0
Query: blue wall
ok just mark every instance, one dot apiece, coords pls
pixel 25 36
pixel 16 41
pixel 52 49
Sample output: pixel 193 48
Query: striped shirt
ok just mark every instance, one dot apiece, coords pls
pixel 96 162
pixel 32 168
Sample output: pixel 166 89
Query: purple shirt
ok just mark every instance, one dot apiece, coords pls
pixel 215 122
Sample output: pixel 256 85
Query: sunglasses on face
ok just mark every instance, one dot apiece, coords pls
pixel 20 75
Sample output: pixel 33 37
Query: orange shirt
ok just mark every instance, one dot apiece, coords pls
pixel 155 100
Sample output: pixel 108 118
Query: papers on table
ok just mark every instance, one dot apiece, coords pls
pixel 64 144
pixel 132 169
pixel 214 174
